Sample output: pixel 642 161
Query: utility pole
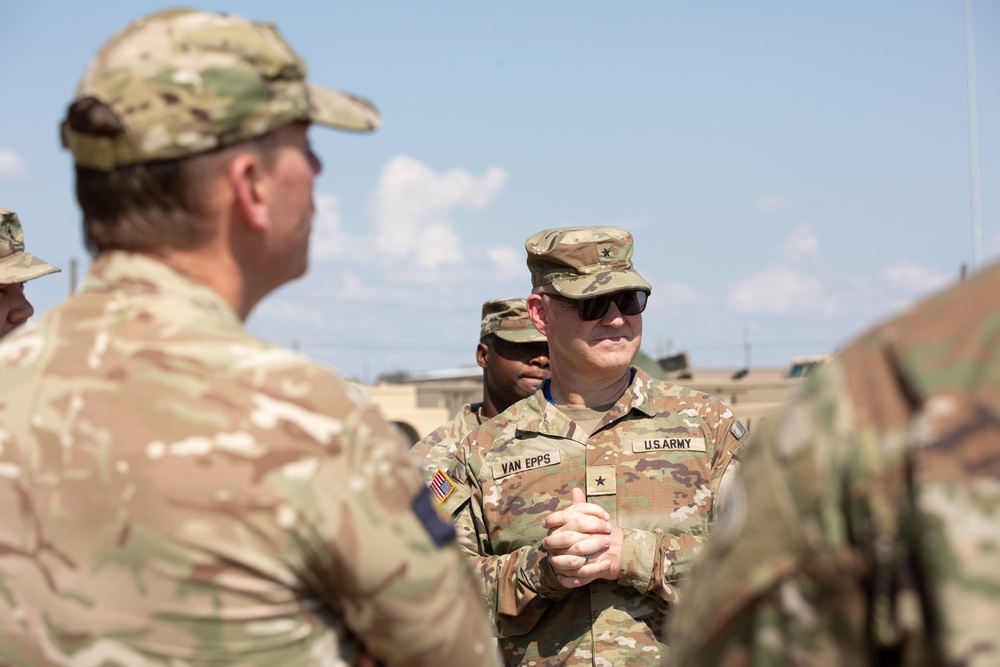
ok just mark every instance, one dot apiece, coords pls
pixel 970 69
pixel 746 346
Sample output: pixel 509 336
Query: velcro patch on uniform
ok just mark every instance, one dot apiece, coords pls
pixel 672 444
pixel 601 481
pixel 513 465
pixel 440 531
pixel 441 486
pixel 738 429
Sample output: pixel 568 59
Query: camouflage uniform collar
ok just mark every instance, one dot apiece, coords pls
pixel 134 273
pixel 540 416
pixel 473 415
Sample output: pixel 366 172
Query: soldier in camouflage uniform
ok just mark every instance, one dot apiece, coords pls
pixel 588 500
pixel 863 527
pixel 514 358
pixel 16 268
pixel 174 490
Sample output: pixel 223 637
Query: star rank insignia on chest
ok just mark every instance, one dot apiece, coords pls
pixel 601 481
pixel 441 486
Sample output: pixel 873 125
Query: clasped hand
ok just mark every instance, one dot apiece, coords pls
pixel 583 545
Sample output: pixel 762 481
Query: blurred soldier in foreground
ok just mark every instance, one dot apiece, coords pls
pixel 515 359
pixel 868 529
pixel 590 497
pixel 175 491
pixel 16 268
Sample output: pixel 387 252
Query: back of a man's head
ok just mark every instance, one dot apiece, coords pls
pixel 165 102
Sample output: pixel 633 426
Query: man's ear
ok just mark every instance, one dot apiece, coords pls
pixel 482 354
pixel 538 313
pixel 245 174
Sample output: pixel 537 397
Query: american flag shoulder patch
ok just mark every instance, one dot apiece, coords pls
pixel 441 486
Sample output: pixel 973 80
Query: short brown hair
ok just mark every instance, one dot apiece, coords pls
pixel 150 206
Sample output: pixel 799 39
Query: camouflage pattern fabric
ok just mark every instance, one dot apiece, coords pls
pixel 438 448
pixel 869 529
pixel 437 451
pixel 508 319
pixel 17 266
pixel 655 463
pixel 176 492
pixel 583 262
pixel 183 82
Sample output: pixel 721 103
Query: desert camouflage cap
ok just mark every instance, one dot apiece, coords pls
pixel 183 82
pixel 17 266
pixel 582 262
pixel 508 319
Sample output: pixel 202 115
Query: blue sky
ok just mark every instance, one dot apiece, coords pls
pixel 795 170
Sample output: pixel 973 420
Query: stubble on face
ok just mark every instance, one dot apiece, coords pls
pixel 609 344
pixel 293 170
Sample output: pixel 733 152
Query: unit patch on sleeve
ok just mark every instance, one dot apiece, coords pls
pixel 675 444
pixel 738 429
pixel 439 530
pixel 441 486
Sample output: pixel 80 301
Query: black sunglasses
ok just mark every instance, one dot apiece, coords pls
pixel 632 302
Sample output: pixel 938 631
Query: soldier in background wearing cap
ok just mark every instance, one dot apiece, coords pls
pixel 16 268
pixel 174 490
pixel 515 360
pixel 591 497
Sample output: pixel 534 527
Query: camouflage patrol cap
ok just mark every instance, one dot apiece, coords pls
pixel 183 82
pixel 508 319
pixel 17 266
pixel 582 262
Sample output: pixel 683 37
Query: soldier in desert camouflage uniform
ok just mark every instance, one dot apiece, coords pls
pixel 16 268
pixel 174 490
pixel 590 498
pixel 868 521
pixel 515 359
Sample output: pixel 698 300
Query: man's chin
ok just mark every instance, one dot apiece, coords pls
pixel 531 384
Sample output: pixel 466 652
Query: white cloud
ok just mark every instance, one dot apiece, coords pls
pixel 913 277
pixel 505 257
pixel 777 289
pixel 770 202
pixel 801 244
pixel 13 166
pixel 328 240
pixel 991 248
pixel 413 206
pixel 672 293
